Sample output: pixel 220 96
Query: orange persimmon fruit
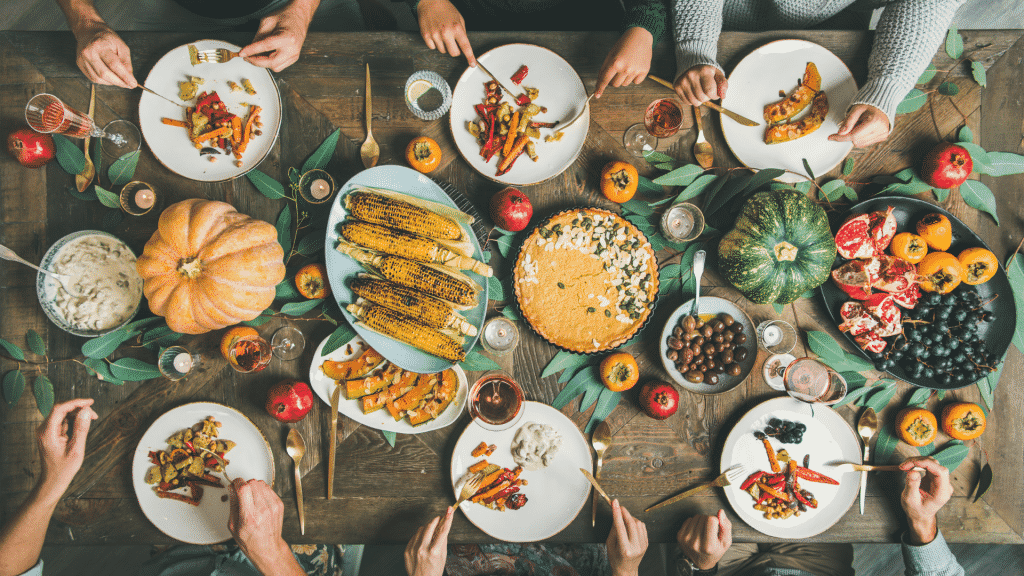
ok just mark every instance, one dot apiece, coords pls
pixel 909 247
pixel 423 154
pixel 311 280
pixel 979 265
pixel 939 272
pixel 619 181
pixel 936 231
pixel 963 420
pixel 916 426
pixel 619 371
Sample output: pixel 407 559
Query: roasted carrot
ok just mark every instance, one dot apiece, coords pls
pixel 212 134
pixel 512 131
pixel 517 149
pixel 479 450
pixel 254 115
pixel 773 491
pixel 478 466
pixel 236 131
pixel 173 122
pixel 487 494
pixel 771 455
pixel 492 478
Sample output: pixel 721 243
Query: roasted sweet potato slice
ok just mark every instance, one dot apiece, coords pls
pixel 355 368
pixel 372 384
pixel 793 130
pixel 800 98
pixel 406 382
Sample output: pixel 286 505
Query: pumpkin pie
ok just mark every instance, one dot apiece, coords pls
pixel 586 280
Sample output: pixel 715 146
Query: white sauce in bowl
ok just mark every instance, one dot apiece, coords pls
pixel 104 269
pixel 535 445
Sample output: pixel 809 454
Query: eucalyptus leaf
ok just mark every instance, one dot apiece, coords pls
pixel 854 395
pixel 606 403
pixel 987 385
pixel 103 346
pixel 266 185
pixel 286 290
pixel 824 345
pixel 941 194
pixel 979 157
pixel 803 187
pixel 655 157
pixel 833 190
pixel 954 43
pixel 284 230
pixel 495 289
pixel 342 334
pixel 590 396
pixel 477 362
pixel 680 176
pixel 70 158
pixel 854 379
pixel 637 206
pixel 695 188
pixel 35 343
pixel 778 308
pixel 294 176
pixel 156 334
pixel 574 388
pixel 642 223
pixel 646 187
pixel 300 308
pixel 848 165
pixel 122 170
pixel 564 360
pixel 928 74
pixel 665 166
pixel 256 322
pixel 712 190
pixel 688 282
pixel 912 102
pixel 979 196
pixel 984 481
pixel 764 176
pixel 807 167
pixel 1015 273
pixel 948 88
pixel 881 399
pixel 885 445
pixel 919 397
pixel 1005 163
pixel 42 388
pixel 138 326
pixel 14 386
pixel 978 72
pixel 133 370
pixel 850 193
pixel 510 313
pixel 926 450
pixel 504 244
pixel 311 243
pixel 857 363
pixel 568 374
pixel 89 195
pixel 389 436
pixel 107 198
pixel 729 191
pixel 952 456
pixel 905 175
pixel 322 155
pixel 965 135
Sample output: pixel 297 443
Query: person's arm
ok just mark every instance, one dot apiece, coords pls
pixel 696 28
pixel 102 56
pixel 626 543
pixel 427 551
pixel 924 550
pixel 280 36
pixel 256 520
pixel 443 28
pixel 62 446
pixel 705 539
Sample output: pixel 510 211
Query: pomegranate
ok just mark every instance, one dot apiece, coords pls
pixel 866 235
pixel 883 307
pixel 895 274
pixel 871 342
pixel 289 401
pixel 511 209
pixel 856 319
pixel 30 148
pixel 883 229
pixel 946 165
pixel 856 277
pixel 659 400
pixel 909 297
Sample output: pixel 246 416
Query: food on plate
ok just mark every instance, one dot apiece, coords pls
pixel 187 90
pixel 185 465
pixel 909 247
pixel 659 400
pixel 793 104
pixel 780 247
pixel 193 54
pixel 778 493
pixel 940 272
pixel 30 148
pixel 423 154
pixel 289 401
pixel 619 371
pixel 235 86
pixel 520 75
pixel 405 329
pixel 410 214
pixel 499 488
pixel 482 449
pixel 511 209
pixel 208 266
pixel 211 126
pixel 248 87
pixel 916 426
pixel 790 131
pixel 367 361
pixel 505 132
pixel 706 347
pixel 535 445
pixel 311 281
pixel 103 268
pixel 784 431
pixel 411 303
pixel 979 265
pixel 963 420
pixel 619 181
pixel 437 281
pixel 946 165
pixel 586 280
pixel 399 243
pixel 936 230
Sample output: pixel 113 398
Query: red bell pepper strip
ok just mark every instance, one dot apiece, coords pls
pixel 543 124
pixel 805 501
pixel 503 494
pixel 808 474
pixel 751 479
pixel 773 491
pixel 764 496
pixel 520 75
pixel 523 100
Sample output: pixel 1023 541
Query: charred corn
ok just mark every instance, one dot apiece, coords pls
pixel 395 213
pixel 409 302
pixel 401 328
pixel 450 286
pixel 398 243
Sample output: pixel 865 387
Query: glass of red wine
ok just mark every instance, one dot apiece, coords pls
pixel 661 120
pixel 496 402
pixel 48 114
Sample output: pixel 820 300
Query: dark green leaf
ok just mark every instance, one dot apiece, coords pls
pixel 510 313
pixel 695 188
pixel 1015 273
pixel 122 170
pixel 495 289
pixel 809 294
pixel 286 290
pixel 97 155
pixel 311 243
pixel 984 481
pixel 43 390
pixel 564 360
pixel 132 370
pixel 13 351
pixel 979 157
pixel 978 71
pixel 606 403
pixel 688 283
pixel 778 308
pixel 941 194
pixel 70 158
pixel 965 134
pixel 642 223
pixel 848 165
pixel 665 166
pixel 568 374
pixel 574 388
pixel 646 187
pixel 107 198
pixel 590 396
pixel 885 446
pixel 987 385
pixel 713 189
pixel 256 322
pixel 157 334
pixel 803 187
pixel 927 450
pixel 947 88
pixel 300 308
pixel 680 176
pixel 655 157
pixel 389 436
pixel 881 399
pixel 342 334
pixel 322 155
pixel 854 395
pixel 14 386
pixel 905 175
pixel 265 184
pixel 637 206
pixel 35 343
pixel 954 43
pixel 854 379
pixel 139 325
pixel 912 102
pixel 807 168
pixel 857 363
pixel 979 196
pixel 294 176
pixel 952 456
pixel 850 193
pixel 1005 163
pixel 928 74
pixel 504 244
pixel 477 362
pixel 919 397
pixel 763 176
pixel 729 191
pixel 833 189
pixel 825 346
pixel 89 195
pixel 284 229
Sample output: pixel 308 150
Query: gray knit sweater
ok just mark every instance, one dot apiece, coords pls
pixel 908 34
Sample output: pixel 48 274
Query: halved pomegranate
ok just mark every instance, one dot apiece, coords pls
pixel 856 319
pixel 871 342
pixel 895 274
pixel 853 239
pixel 883 229
pixel 883 307
pixel 856 277
pixel 909 297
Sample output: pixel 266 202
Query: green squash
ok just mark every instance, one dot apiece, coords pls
pixel 781 246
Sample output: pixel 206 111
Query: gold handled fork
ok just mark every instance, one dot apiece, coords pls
pixel 215 56
pixel 727 478
pixel 470 485
pixel 223 463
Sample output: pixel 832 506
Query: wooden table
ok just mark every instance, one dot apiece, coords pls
pixel 383 493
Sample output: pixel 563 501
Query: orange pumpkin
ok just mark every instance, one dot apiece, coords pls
pixel 909 247
pixel 208 266
pixel 979 265
pixel 936 231
pixel 916 426
pixel 963 420
pixel 619 181
pixel 939 272
pixel 619 371
pixel 423 154
pixel 311 280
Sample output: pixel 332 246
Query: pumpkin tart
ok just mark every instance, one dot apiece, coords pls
pixel 586 280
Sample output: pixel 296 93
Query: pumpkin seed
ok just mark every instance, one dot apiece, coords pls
pixel 560 285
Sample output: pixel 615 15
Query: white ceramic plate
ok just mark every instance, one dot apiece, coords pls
pixel 171 145
pixel 710 305
pixel 341 267
pixel 561 91
pixel 554 495
pixel 251 458
pixel 828 439
pixel 755 83
pixel 381 419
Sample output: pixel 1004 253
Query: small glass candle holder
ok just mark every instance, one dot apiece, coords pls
pixel 776 336
pixel 496 402
pixel 138 198
pixel 427 95
pixel 316 186
pixel 176 362
pixel 500 335
pixel 682 222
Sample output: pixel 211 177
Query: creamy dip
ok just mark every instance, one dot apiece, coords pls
pixel 535 445
pixel 103 269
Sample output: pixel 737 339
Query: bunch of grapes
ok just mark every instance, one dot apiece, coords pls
pixel 785 431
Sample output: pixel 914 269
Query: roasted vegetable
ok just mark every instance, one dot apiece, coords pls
pixel 791 131
pixel 408 302
pixel 792 105
pixel 437 281
pixel 403 329
pixel 388 210
pixel 398 243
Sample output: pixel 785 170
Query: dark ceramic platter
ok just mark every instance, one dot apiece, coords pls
pixel 996 334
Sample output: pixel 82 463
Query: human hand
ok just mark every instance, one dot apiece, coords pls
pixel 864 125
pixel 704 539
pixel 444 29
pixel 923 496
pixel 256 520
pixel 279 38
pixel 628 61
pixel 62 444
pixel 626 542
pixel 103 57
pixel 700 84
pixel 427 551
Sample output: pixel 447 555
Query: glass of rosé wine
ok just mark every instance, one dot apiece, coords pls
pixel 48 114
pixel 661 120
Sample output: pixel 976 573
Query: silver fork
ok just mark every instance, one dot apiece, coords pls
pixel 733 475
pixel 215 56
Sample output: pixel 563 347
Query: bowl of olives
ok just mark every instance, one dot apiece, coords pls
pixel 710 352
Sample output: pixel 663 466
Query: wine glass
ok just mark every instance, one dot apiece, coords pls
pixel 47 114
pixel 249 353
pixel 496 402
pixel 288 343
pixel 808 380
pixel 661 120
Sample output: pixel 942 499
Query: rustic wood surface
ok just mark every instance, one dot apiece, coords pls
pixel 383 493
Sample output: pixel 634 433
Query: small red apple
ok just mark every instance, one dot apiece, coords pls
pixel 511 209
pixel 289 401
pixel 659 400
pixel 30 148
pixel 947 165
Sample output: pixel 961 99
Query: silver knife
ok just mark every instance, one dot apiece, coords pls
pixel 164 97
pixel 596 486
pixel 335 397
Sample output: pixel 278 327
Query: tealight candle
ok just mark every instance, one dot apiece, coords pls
pixel 500 334
pixel 772 335
pixel 144 198
pixel 682 222
pixel 183 362
pixel 319 189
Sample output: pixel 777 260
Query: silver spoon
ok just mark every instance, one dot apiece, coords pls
pixel 698 271
pixel 63 279
pixel 296 448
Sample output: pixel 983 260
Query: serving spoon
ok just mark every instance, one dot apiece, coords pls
pixel 702 151
pixel 698 271
pixel 63 279
pixel 296 448
pixel 601 439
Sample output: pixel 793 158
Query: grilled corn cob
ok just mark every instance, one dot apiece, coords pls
pixel 401 215
pixel 398 243
pixel 408 302
pixel 448 285
pixel 392 325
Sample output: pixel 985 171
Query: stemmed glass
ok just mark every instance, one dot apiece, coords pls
pixel 48 114
pixel 661 120
pixel 288 343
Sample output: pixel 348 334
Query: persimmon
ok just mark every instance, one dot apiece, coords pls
pixel 939 272
pixel 619 181
pixel 979 265
pixel 311 280
pixel 423 154
pixel 619 371
pixel 936 231
pixel 234 335
pixel 909 247
pixel 963 420
pixel 916 426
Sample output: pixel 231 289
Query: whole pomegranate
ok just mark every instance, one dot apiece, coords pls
pixel 30 148
pixel 289 401
pixel 947 165
pixel 511 209
pixel 659 400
